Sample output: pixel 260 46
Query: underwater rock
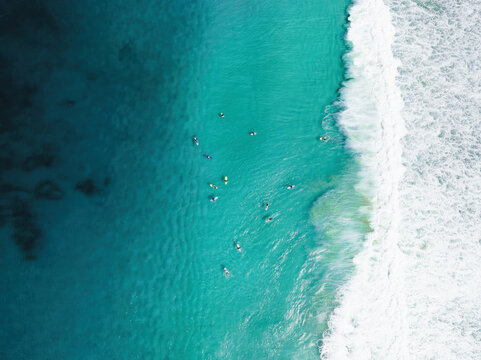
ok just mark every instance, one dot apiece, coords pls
pixel 36 161
pixel 25 231
pixel 48 190
pixel 87 187
pixel 66 102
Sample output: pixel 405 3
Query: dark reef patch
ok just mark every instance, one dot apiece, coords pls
pixel 89 188
pixel 48 96
pixel 86 187
pixel 25 230
pixel 48 190
pixel 33 47
pixel 37 161
pixel 66 103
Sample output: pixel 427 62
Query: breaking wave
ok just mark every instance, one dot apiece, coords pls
pixel 414 122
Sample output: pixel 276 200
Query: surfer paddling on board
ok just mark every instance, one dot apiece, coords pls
pixel 207 156
pixel 238 247
pixel 289 187
pixel 323 138
pixel 221 115
pixel 213 186
pixel 226 272
pixel 196 142
pixel 214 198
pixel 267 206
pixel 252 133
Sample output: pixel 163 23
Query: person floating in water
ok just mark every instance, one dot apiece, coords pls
pixel 238 247
pixel 213 186
pixel 221 115
pixel 226 272
pixel 252 133
pixel 214 198
pixel 290 187
pixel 268 219
pixel 226 180
pixel 323 138
pixel 207 156
pixel 196 142
pixel 267 206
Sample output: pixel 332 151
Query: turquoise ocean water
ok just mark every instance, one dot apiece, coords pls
pixel 133 269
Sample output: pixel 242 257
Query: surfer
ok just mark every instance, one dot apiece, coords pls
pixel 225 180
pixel 290 187
pixel 207 156
pixel 221 115
pixel 213 186
pixel 238 247
pixel 267 206
pixel 226 272
pixel 252 133
pixel 268 219
pixel 323 138
pixel 214 198
pixel 196 142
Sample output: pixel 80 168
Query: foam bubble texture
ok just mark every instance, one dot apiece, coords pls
pixel 438 45
pixel 416 290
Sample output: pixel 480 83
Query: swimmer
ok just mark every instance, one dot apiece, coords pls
pixel 226 272
pixel 267 206
pixel 225 180
pixel 214 198
pixel 290 187
pixel 268 219
pixel 252 133
pixel 323 138
pixel 221 115
pixel 213 186
pixel 238 247
pixel 207 156
pixel 196 142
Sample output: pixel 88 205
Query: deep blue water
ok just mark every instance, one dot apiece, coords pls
pixel 110 246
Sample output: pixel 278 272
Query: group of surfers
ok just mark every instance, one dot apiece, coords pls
pixel 195 140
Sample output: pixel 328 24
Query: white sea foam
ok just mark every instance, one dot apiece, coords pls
pixel 416 290
pixel 438 44
pixel 371 320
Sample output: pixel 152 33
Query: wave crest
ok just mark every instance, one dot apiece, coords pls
pixel 372 305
